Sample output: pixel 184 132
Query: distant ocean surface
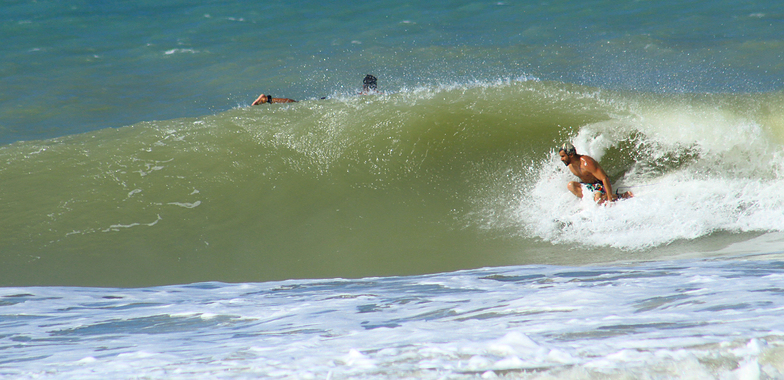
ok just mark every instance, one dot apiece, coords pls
pixel 153 224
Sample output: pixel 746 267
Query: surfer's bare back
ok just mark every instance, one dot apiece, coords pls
pixel 269 99
pixel 590 174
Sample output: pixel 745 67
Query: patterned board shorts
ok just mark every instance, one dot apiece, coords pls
pixel 596 186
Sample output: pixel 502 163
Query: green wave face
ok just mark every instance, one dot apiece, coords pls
pixel 425 180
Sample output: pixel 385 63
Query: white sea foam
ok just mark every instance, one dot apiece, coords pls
pixel 176 51
pixel 186 204
pixel 687 319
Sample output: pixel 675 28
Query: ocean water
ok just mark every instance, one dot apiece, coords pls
pixel 155 225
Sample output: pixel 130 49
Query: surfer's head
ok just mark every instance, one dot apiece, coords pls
pixel 568 148
pixel 566 152
pixel 369 83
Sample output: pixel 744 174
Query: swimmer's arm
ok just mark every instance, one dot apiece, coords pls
pixel 261 99
pixel 269 99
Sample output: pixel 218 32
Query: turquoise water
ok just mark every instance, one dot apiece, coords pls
pixel 79 66
pixel 149 214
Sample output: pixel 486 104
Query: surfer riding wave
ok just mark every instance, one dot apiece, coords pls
pixel 590 174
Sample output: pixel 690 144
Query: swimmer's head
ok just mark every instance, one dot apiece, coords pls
pixel 369 83
pixel 567 148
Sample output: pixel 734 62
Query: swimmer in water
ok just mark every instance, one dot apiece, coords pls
pixel 369 85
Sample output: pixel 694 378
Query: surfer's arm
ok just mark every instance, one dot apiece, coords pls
pixel 608 188
pixel 601 175
pixel 593 167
